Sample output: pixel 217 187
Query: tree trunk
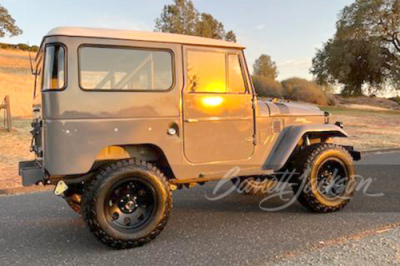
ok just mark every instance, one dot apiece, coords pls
pixel 357 90
pixel 352 90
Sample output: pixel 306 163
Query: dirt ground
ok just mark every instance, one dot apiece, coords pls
pixel 368 130
pixel 14 147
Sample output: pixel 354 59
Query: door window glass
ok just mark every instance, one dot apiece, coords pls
pixel 236 80
pixel 206 72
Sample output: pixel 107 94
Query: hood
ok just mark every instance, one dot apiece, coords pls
pixel 292 109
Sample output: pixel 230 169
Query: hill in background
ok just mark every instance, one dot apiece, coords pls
pixel 16 81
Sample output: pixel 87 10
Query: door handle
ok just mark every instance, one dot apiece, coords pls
pixel 249 139
pixel 191 120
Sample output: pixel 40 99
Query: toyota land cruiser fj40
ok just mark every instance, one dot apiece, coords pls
pixel 122 118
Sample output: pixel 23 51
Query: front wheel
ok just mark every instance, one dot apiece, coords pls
pixel 326 181
pixel 127 204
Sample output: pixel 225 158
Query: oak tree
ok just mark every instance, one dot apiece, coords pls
pixel 365 50
pixel 7 24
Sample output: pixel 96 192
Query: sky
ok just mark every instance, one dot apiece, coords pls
pixel 288 31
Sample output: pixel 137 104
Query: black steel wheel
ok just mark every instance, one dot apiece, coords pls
pixel 127 204
pixel 130 204
pixel 332 178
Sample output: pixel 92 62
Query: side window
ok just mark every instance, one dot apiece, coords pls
pixel 236 80
pixel 206 71
pixel 54 67
pixel 123 68
pixel 38 76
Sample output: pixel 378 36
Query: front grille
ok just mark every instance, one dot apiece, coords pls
pixel 277 126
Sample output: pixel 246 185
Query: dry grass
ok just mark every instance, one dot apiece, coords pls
pixel 16 81
pixel 364 102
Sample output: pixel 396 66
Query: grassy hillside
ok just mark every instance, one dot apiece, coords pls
pixel 16 81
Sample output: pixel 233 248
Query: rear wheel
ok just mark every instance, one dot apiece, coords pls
pixel 128 204
pixel 327 179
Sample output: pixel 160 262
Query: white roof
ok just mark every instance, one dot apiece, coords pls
pixel 140 36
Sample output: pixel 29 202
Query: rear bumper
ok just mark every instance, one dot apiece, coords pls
pixel 31 172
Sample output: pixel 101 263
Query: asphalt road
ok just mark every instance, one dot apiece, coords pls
pixel 40 229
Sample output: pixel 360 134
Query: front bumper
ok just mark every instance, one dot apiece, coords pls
pixel 355 154
pixel 31 172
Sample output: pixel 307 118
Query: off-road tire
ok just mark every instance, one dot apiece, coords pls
pixel 309 196
pixel 253 185
pixel 94 205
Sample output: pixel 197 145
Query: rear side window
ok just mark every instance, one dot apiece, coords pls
pixel 54 67
pixel 122 68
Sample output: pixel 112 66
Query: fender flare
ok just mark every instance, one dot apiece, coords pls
pixel 290 136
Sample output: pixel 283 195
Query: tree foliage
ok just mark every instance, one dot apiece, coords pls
pixel 265 67
pixel 7 24
pixel 365 49
pixel 182 17
pixel 230 36
pixel 208 26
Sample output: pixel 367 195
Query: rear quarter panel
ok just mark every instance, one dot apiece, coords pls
pixel 78 124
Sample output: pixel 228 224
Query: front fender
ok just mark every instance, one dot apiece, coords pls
pixel 290 136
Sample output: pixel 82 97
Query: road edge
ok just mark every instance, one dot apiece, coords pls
pixel 392 150
pixel 24 190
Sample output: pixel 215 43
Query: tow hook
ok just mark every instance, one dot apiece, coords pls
pixel 60 188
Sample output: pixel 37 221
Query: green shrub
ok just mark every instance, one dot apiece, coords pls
pixel 266 87
pixel 396 99
pixel 34 48
pixel 23 46
pixel 298 89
